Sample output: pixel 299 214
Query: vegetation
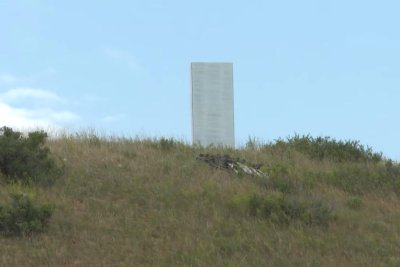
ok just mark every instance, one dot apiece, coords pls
pixel 26 159
pixel 321 148
pixel 24 216
pixel 124 202
pixel 281 209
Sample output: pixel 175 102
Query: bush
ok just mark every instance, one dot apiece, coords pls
pixel 280 178
pixel 26 159
pixel 24 216
pixel 359 179
pixel 393 171
pixel 321 148
pixel 166 144
pixel 354 203
pixel 318 213
pixel 282 209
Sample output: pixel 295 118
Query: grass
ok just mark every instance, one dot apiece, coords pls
pixel 122 202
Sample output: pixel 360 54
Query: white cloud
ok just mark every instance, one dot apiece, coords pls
pixel 20 118
pixel 47 115
pixel 24 93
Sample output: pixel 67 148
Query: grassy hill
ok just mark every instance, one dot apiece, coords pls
pixel 126 202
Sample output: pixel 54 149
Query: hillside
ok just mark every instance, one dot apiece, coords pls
pixel 122 202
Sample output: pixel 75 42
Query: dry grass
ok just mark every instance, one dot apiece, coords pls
pixel 141 203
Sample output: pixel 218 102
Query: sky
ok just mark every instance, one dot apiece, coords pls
pixel 324 68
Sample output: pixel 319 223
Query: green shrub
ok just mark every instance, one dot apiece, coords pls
pixel 354 203
pixel 318 213
pixel 273 207
pixel 166 144
pixel 360 179
pixel 321 148
pixel 280 179
pixel 24 216
pixel 393 171
pixel 281 209
pixel 26 159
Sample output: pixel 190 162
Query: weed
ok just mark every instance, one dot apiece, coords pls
pixel 164 209
pixel 360 179
pixel 166 144
pixel 90 136
pixel 393 171
pixel 253 143
pixel 321 148
pixel 354 203
pixel 280 179
pixel 282 209
pixel 319 213
pixel 24 216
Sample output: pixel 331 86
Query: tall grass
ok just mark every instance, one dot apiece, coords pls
pixel 137 202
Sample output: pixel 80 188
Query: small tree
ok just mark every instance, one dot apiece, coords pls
pixel 26 159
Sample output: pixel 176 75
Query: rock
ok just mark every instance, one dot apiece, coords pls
pixel 227 162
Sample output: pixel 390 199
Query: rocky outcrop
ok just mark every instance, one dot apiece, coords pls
pixel 227 162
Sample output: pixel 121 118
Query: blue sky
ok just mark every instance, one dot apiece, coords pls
pixel 326 68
